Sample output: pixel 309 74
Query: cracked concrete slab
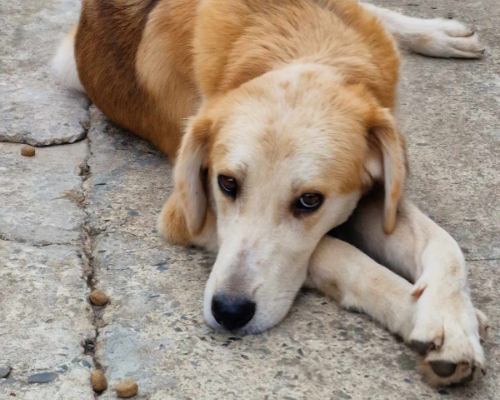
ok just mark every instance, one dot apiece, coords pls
pixel 97 201
pixel 45 317
pixel 33 108
pixel 40 196
pixel 119 163
pixel 44 313
pixel 153 330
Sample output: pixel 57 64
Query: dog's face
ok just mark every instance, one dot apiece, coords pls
pixel 278 163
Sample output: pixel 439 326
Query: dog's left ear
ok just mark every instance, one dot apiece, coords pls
pixel 188 174
pixel 183 217
pixel 387 161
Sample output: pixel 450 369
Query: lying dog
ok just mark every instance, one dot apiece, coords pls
pixel 290 109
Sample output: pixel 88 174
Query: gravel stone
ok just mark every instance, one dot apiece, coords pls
pixel 43 377
pixel 4 372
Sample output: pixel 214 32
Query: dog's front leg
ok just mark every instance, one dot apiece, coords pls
pixel 436 37
pixel 447 328
pixel 343 272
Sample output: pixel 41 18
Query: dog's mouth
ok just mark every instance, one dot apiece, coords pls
pixel 248 330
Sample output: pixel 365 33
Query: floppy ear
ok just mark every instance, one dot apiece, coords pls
pixel 387 162
pixel 188 180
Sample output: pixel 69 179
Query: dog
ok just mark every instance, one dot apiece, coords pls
pixel 279 115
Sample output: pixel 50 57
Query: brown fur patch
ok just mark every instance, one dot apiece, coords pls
pixel 147 64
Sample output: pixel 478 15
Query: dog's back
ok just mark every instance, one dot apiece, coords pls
pixel 145 63
pixel 106 45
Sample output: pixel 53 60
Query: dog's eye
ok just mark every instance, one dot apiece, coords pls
pixel 308 202
pixel 228 185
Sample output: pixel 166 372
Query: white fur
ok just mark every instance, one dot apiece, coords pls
pixel 64 63
pixel 445 314
pixel 357 282
pixel 264 250
pixel 431 37
pixel 437 309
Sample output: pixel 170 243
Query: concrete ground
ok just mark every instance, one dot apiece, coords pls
pixel 82 215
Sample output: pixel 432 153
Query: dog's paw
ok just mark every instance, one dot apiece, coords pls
pixel 447 335
pixel 447 39
pixel 171 223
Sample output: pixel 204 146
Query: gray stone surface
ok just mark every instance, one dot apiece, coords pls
pixel 44 314
pixel 40 196
pixel 33 108
pixel 91 207
pixel 119 163
pixel 44 317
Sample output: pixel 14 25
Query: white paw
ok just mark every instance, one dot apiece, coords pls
pixel 447 333
pixel 445 38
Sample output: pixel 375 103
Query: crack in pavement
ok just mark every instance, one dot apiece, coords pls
pixel 88 246
pixel 38 244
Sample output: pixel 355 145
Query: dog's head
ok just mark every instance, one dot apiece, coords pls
pixel 268 169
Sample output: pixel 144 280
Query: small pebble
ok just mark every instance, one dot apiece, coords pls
pixel 126 389
pixel 28 151
pixel 44 377
pixel 4 372
pixel 98 297
pixel 98 380
pixel 89 346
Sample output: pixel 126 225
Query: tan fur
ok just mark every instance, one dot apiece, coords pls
pixel 147 65
pixel 287 97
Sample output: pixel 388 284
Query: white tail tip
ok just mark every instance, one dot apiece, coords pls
pixel 64 63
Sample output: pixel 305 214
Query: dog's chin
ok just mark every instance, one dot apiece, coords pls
pixel 250 329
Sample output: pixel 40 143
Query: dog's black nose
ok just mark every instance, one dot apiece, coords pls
pixel 232 312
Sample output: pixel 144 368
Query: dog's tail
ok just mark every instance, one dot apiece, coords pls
pixel 64 62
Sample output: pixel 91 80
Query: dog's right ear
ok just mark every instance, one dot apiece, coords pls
pixel 183 216
pixel 389 164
